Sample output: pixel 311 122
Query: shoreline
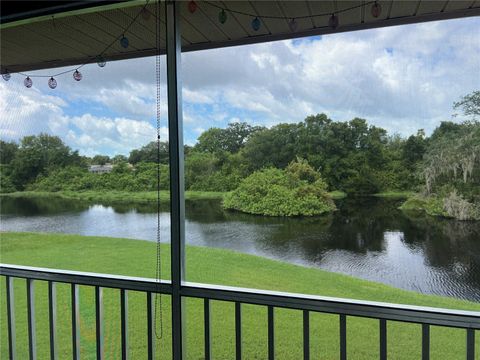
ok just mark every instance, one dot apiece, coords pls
pixel 137 197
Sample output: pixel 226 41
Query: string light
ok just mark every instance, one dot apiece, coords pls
pixel 6 76
pixel 333 21
pixel 28 82
pixel 124 41
pixel 222 16
pixel 256 24
pixel 101 61
pixel 77 75
pixel 52 83
pixel 293 25
pixel 192 6
pixel 376 9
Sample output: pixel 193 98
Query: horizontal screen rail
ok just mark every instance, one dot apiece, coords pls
pixel 361 308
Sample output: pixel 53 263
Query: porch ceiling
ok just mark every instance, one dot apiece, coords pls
pixel 76 32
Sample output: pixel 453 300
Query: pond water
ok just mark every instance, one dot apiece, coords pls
pixel 368 238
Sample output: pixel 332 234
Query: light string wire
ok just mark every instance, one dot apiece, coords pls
pixel 209 3
pixel 158 296
pixel 278 17
pixel 93 57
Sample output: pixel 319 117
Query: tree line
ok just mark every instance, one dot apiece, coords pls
pixel 351 156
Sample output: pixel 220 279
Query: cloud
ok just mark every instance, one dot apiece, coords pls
pixel 26 111
pixel 111 135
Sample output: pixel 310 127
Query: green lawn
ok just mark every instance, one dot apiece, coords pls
pixel 137 258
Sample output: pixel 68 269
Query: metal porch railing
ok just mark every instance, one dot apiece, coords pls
pixel 383 312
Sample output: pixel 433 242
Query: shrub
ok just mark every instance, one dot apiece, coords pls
pixel 296 191
pixel 459 208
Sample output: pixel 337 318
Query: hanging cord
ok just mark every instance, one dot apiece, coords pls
pixel 158 296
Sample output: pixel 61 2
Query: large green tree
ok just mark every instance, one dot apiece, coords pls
pixel 231 139
pixel 39 153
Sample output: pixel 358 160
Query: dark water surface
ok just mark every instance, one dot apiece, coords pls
pixel 367 238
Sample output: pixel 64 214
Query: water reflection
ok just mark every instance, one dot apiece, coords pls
pixel 367 238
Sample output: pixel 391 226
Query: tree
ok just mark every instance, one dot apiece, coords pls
pixel 39 153
pixel 275 147
pixel 117 159
pixel 469 104
pixel 231 139
pixel 149 153
pixel 414 149
pixel 453 156
pixel 100 160
pixel 7 151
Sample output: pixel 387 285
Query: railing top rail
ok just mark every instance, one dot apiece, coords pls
pixel 325 304
pixel 87 278
pixel 363 308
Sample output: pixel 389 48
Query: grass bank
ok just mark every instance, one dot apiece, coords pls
pixel 137 258
pixel 118 196
pixel 430 205
pixel 126 196
pixel 337 194
pixel 395 194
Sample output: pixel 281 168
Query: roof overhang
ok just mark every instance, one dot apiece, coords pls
pixel 63 33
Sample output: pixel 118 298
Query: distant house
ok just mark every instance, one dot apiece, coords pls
pixel 100 169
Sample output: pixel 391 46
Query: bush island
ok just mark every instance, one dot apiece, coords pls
pixel 298 190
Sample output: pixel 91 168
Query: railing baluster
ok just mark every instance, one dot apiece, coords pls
pixel 470 344
pixel 343 337
pixel 383 339
pixel 99 321
pixel 11 318
pixel 32 341
pixel 52 319
pixel 206 324
pixel 271 333
pixel 306 335
pixel 150 326
pixel 238 331
pixel 124 322
pixel 75 297
pixel 425 342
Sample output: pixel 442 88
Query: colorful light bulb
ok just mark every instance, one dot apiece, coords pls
pixel 333 21
pixel 52 83
pixel 192 6
pixel 256 24
pixel 77 75
pixel 293 25
pixel 101 61
pixel 124 42
pixel 28 82
pixel 222 16
pixel 376 9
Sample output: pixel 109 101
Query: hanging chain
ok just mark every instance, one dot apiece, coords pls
pixel 158 296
